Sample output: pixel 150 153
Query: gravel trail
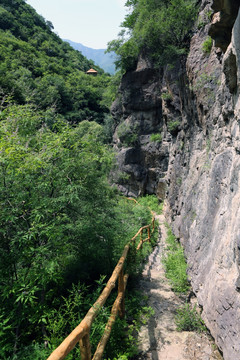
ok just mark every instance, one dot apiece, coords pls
pixel 158 339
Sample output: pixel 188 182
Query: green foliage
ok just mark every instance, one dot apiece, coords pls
pixel 173 126
pixel 156 138
pixel 60 223
pixel 127 51
pixel 207 45
pixel 133 216
pixel 52 185
pixel 175 264
pixel 108 128
pixel 204 19
pixel 73 308
pixel 179 181
pixel 188 319
pixel 159 29
pixel 166 96
pixel 130 212
pixel 128 134
pixel 123 343
pixel 111 90
pixel 38 67
pixel 34 351
pixel 152 202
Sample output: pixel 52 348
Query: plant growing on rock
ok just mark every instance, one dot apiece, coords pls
pixel 173 126
pixel 159 28
pixel 156 138
pixel 188 319
pixel 175 264
pixel 128 134
pixel 207 45
pixel 167 96
pixel 204 19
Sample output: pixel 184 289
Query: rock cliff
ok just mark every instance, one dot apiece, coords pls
pixel 178 136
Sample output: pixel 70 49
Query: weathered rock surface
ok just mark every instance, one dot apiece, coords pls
pixel 195 164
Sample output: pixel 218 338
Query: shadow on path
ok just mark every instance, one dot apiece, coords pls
pixel 158 339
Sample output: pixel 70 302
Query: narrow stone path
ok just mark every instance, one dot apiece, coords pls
pixel 158 339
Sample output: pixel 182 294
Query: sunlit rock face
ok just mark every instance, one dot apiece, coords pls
pixel 178 136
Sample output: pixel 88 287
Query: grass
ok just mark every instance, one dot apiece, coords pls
pixel 156 138
pixel 173 126
pixel 175 264
pixel 188 319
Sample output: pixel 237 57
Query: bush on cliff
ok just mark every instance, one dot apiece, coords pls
pixel 159 29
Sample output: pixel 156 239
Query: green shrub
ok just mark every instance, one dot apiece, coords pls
pixel 128 134
pixel 201 23
pixel 207 45
pixel 188 319
pixel 35 351
pixel 156 138
pixel 123 343
pixel 108 128
pixel 152 202
pixel 166 96
pixel 158 28
pixel 173 126
pixel 175 264
pixel 58 208
pixel 204 19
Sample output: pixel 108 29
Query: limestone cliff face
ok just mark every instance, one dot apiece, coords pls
pixel 195 163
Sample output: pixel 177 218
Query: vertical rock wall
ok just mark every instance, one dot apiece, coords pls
pixel 178 136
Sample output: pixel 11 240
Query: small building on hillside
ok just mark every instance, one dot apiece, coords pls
pixel 92 72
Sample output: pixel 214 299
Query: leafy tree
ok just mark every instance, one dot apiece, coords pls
pixel 158 28
pixel 52 185
pixel 60 222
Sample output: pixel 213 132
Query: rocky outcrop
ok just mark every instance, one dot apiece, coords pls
pixel 223 20
pixel 140 110
pixel 179 137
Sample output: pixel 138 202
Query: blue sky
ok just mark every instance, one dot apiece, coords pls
pixel 90 22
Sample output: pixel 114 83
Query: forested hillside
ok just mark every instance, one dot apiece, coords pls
pixel 62 225
pixel 37 67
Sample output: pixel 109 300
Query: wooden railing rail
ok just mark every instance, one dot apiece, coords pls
pixel 81 334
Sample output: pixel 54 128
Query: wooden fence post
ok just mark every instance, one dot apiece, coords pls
pixel 85 347
pixel 81 333
pixel 121 288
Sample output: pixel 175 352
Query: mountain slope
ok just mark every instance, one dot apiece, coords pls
pixel 105 61
pixel 38 67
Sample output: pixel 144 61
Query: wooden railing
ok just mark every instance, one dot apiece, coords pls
pixel 81 333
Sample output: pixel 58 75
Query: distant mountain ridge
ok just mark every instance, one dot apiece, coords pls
pixel 105 61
